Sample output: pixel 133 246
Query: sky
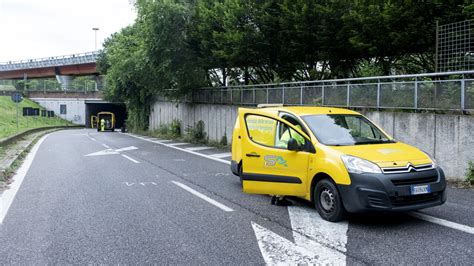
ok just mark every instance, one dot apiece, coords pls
pixel 44 28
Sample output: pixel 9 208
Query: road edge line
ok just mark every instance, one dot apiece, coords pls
pixel 8 196
pixel 443 222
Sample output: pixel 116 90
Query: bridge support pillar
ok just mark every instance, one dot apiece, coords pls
pixel 65 81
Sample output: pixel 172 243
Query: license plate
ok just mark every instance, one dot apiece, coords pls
pixel 422 189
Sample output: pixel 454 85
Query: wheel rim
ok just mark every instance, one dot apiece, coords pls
pixel 326 200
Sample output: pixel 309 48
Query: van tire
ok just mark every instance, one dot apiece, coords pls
pixel 328 202
pixel 241 175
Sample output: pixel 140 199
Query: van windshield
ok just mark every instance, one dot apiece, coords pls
pixel 345 130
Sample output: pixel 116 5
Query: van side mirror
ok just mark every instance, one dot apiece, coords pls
pixel 293 145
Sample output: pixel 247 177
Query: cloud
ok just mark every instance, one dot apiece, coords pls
pixel 33 29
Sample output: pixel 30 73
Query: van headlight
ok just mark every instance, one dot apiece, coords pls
pixel 357 165
pixel 434 164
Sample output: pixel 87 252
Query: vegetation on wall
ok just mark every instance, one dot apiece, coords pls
pixel 181 45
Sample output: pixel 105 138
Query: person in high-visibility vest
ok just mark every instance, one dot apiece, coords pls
pixel 290 133
pixel 102 124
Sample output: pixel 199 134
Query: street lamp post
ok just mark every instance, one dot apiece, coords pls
pixel 95 31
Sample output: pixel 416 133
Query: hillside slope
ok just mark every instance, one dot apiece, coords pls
pixel 8 117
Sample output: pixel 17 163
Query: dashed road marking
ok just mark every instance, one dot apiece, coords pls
pixel 178 144
pixel 439 221
pixel 222 155
pixel 130 158
pixel 106 146
pixel 183 149
pixel 199 148
pixel 203 197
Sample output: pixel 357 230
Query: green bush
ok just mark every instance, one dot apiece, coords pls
pixel 223 141
pixel 175 128
pixel 196 134
pixel 470 173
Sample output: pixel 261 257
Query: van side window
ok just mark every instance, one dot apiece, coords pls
pixel 261 129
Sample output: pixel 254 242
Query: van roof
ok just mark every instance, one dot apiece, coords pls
pixel 311 110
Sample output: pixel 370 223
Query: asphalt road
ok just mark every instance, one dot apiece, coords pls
pixel 93 197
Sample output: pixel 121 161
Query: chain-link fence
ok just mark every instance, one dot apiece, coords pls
pixel 435 91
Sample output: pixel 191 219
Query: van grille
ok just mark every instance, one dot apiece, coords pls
pixel 414 199
pixel 407 169
pixel 415 181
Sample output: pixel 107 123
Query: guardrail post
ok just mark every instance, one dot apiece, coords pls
pixel 267 94
pixel 348 94
pixel 301 94
pixel 283 96
pixel 322 95
pixel 416 94
pixel 254 98
pixel 463 93
pixel 378 94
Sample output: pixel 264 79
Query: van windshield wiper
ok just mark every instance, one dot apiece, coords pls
pixel 374 142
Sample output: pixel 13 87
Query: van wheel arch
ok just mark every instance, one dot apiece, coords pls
pixel 316 179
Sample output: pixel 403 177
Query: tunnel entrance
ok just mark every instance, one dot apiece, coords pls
pixel 94 107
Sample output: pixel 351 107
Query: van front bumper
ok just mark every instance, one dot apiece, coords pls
pixel 392 192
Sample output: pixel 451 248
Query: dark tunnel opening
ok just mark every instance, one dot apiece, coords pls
pixel 92 108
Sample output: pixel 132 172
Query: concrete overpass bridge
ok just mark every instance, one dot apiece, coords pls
pixel 64 68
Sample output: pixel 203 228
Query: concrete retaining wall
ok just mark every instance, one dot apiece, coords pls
pixel 75 108
pixel 450 138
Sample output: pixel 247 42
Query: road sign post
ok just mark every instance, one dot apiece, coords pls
pixel 17 98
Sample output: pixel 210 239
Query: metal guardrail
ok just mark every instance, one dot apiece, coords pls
pixel 433 91
pixel 74 59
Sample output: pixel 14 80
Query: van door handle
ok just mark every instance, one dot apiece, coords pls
pixel 253 154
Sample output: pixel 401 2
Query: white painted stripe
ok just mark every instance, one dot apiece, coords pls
pixel 131 148
pixel 198 148
pixel 188 151
pixel 8 195
pixel 161 141
pixel 222 155
pixel 277 250
pixel 439 221
pixel 106 146
pixel 203 197
pixel 178 144
pixel 328 240
pixel 130 158
pixel 92 138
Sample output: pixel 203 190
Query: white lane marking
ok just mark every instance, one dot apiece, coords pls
pixel 8 195
pixel 222 155
pixel 179 160
pixel 188 151
pixel 199 148
pixel 130 158
pixel 328 240
pixel 92 138
pixel 162 141
pixel 203 197
pixel 106 146
pixel 131 148
pixel 439 221
pixel 104 152
pixel 178 144
pixel 277 250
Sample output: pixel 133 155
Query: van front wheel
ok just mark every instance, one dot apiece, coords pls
pixel 328 202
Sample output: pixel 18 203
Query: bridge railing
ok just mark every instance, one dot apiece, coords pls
pixel 74 59
pixel 434 91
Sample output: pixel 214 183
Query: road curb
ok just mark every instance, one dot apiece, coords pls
pixel 9 140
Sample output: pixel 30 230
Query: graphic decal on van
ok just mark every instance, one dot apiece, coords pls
pixel 273 160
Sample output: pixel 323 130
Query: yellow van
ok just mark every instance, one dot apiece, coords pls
pixel 336 158
pixel 109 121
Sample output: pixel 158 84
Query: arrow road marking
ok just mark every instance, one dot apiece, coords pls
pixel 277 250
pixel 131 148
pixel 104 152
pixel 310 231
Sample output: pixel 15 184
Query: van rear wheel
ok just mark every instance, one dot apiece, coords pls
pixel 328 202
